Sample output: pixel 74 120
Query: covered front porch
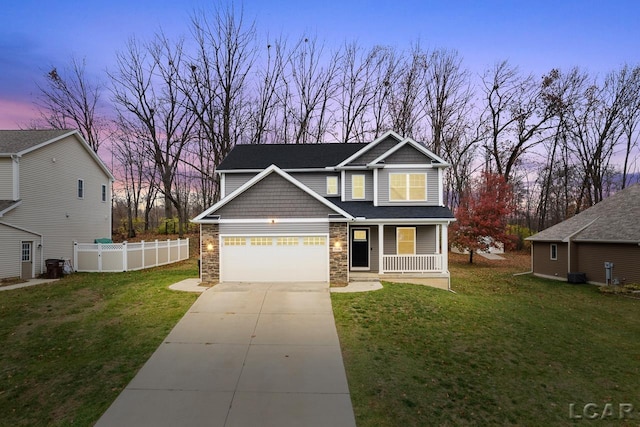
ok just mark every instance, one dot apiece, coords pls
pixel 399 248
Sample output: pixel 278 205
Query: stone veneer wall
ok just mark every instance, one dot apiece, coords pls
pixel 338 260
pixel 210 260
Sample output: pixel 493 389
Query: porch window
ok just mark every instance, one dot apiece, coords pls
pixel 332 185
pixel 406 240
pixel 407 187
pixel 554 252
pixel 357 187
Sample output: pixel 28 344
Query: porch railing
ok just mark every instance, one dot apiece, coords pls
pixel 411 263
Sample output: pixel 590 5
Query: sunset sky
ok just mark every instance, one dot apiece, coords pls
pixel 535 35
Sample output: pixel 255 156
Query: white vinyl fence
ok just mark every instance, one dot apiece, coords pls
pixel 116 257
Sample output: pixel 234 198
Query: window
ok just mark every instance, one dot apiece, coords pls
pixel 332 185
pixel 103 195
pixel 407 187
pixel 287 241
pixel 235 241
pixel 357 187
pixel 261 241
pixel 26 251
pixel 80 189
pixel 314 241
pixel 554 252
pixel 360 235
pixel 406 240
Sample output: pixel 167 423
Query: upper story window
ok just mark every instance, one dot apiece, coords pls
pixel 332 185
pixel 407 187
pixel 103 194
pixel 80 189
pixel 357 187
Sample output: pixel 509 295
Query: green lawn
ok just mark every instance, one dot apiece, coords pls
pixel 68 348
pixel 501 350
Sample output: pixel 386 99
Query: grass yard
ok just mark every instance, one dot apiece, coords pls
pixel 503 350
pixel 68 348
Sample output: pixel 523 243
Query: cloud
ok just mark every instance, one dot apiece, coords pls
pixel 16 114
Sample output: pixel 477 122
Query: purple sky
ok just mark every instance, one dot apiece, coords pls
pixel 535 35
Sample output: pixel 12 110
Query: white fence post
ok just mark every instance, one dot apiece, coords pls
pixel 156 251
pixel 179 248
pixel 75 256
pixel 142 254
pixel 99 256
pixel 125 249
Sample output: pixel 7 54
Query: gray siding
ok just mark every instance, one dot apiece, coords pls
pixel 433 190
pixel 6 178
pixel 375 250
pixel 275 197
pixel 233 181
pixel 407 155
pixel 277 228
pixel 50 206
pixel 425 239
pixel 316 181
pixel 368 185
pixel 375 152
pixel 10 251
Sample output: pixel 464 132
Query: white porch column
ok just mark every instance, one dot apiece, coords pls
pixel 380 248
pixel 444 247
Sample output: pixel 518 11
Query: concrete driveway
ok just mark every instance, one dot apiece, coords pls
pixel 244 355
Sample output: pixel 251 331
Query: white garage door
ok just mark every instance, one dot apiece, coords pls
pixel 274 259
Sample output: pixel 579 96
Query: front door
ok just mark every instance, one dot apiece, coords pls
pixel 27 260
pixel 360 248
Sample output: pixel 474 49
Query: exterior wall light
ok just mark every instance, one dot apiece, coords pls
pixel 209 247
pixel 337 246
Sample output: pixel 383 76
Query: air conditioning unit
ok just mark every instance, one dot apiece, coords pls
pixel 577 278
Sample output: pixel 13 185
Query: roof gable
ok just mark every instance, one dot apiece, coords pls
pixel 21 142
pixel 386 140
pixel 615 219
pixel 405 146
pixel 207 215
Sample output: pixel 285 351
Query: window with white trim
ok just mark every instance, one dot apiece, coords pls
pixel 81 189
pixel 357 187
pixel 103 193
pixel 261 241
pixel 407 187
pixel 406 241
pixel 26 251
pixel 553 249
pixel 332 185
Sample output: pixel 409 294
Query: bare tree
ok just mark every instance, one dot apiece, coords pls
pixel 69 99
pixel 630 115
pixel 153 109
pixel 307 97
pixel 515 116
pixel 406 93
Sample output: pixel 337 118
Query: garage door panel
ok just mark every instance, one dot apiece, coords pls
pixel 275 259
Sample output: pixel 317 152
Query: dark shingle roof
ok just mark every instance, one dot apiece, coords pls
pixel 367 210
pixel 288 156
pixel 615 219
pixel 15 141
pixel 6 205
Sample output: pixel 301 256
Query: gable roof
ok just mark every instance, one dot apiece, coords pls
pixel 21 142
pixel 202 218
pixel 287 156
pixel 437 161
pixel 370 146
pixel 7 205
pixel 613 220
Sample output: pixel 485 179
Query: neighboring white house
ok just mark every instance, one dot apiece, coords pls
pixel 54 190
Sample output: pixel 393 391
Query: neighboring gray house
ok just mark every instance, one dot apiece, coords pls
pixel 327 212
pixel 606 232
pixel 54 190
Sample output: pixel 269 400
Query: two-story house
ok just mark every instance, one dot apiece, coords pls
pixel 327 212
pixel 54 190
